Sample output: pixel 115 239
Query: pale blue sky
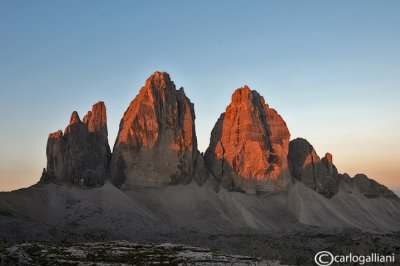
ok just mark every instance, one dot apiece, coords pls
pixel 330 68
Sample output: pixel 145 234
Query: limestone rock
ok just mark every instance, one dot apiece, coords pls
pixel 306 166
pixel 345 178
pixel 327 160
pixel 370 188
pixel 56 152
pixel 81 155
pixel 156 143
pixel 249 145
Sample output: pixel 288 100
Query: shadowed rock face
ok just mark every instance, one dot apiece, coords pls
pixel 249 145
pixel 306 166
pixel 81 155
pixel 156 143
pixel 328 162
pixel 369 187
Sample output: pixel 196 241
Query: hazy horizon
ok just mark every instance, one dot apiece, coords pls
pixel 329 69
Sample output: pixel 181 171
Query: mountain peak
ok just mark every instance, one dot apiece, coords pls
pixel 242 92
pixel 160 74
pixel 81 155
pixel 244 96
pixel 249 145
pixel 156 143
pixel 306 166
pixel 370 188
pixel 74 118
pixel 55 135
pixel 329 158
pixel 159 81
pixel 96 119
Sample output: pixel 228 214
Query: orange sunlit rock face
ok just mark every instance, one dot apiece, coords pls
pixel 96 119
pixel 249 145
pixel 81 155
pixel 156 143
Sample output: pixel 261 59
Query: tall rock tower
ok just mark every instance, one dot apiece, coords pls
pixel 319 174
pixel 249 145
pixel 156 143
pixel 81 155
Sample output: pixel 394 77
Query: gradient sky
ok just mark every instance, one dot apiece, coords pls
pixel 330 68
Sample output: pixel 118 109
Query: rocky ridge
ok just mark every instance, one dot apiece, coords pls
pixel 368 187
pixel 157 146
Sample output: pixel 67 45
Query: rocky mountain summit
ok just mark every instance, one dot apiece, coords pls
pixel 249 145
pixel 156 146
pixel 307 167
pixel 157 143
pixel 81 155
